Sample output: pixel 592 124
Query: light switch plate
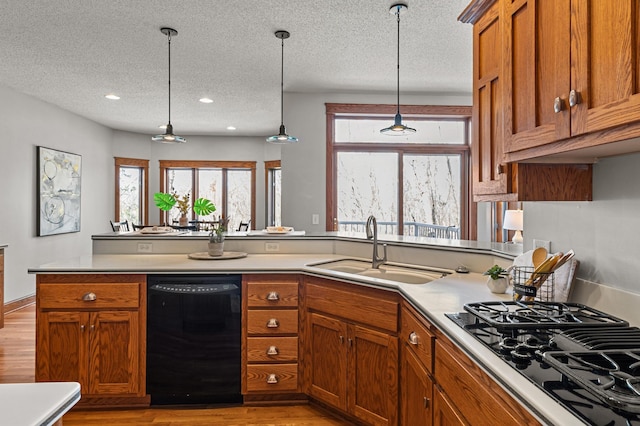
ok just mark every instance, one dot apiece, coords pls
pixel 271 247
pixel 145 248
pixel 542 243
pixel 315 219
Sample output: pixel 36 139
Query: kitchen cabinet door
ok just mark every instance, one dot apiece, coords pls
pixel 605 64
pixel 443 412
pixel 328 360
pixel 61 348
pixel 415 391
pixel 373 375
pixel 537 72
pixel 114 349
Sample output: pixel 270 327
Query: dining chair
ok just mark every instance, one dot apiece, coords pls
pixel 244 226
pixel 120 226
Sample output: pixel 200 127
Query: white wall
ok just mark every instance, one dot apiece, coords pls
pixel 304 164
pixel 27 123
pixel 605 232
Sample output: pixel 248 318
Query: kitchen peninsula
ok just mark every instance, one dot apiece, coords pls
pixel 117 256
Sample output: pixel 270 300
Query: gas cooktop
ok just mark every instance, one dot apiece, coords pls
pixel 585 359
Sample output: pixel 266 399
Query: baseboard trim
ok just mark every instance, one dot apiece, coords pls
pixel 14 305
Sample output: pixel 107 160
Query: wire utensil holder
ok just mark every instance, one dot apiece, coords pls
pixel 529 286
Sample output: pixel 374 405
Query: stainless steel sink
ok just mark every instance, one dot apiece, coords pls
pixel 390 272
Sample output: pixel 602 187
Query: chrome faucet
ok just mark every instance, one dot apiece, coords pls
pixel 372 232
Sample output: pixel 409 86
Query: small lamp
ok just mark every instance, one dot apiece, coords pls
pixel 513 221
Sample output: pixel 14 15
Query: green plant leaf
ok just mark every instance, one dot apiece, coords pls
pixel 164 201
pixel 203 207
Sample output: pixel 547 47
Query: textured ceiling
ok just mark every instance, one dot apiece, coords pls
pixel 72 52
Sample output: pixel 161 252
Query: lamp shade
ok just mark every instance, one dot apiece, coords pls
pixel 513 220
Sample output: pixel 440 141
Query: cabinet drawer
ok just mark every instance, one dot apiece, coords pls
pixel 276 294
pixel 417 337
pixel 274 321
pixel 72 296
pixel 274 377
pixel 276 349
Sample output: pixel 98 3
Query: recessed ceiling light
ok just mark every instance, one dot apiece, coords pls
pixel 112 97
pixel 230 128
pixel 206 100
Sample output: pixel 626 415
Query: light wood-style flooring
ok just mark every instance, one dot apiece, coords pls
pixel 17 365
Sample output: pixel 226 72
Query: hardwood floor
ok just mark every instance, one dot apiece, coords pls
pixel 17 365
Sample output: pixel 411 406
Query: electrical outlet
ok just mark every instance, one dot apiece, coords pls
pixel 315 219
pixel 145 248
pixel 542 243
pixel 271 247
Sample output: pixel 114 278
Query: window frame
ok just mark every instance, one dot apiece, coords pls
pixel 269 193
pixel 120 162
pixel 194 165
pixel 468 211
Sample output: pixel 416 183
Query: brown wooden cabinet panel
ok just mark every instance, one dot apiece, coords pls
pixel 272 349
pixel 416 390
pixel 414 332
pixel 327 358
pixel 444 414
pixel 272 321
pixel 272 378
pixel 372 375
pixel 475 395
pixel 273 294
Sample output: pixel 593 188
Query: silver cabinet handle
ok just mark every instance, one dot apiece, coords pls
pixel 413 338
pixel 341 339
pixel 89 297
pixel 426 402
pixel 273 350
pixel 272 379
pixel 273 295
pixel 273 323
pixel 350 342
pixel 93 327
pixel 558 105
pixel 574 98
pixel 82 327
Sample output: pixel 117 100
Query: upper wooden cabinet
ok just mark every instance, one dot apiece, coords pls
pixel 495 178
pixel 571 68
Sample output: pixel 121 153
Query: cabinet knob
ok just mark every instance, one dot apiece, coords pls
pixel 273 295
pixel 273 323
pixel 413 338
pixel 574 98
pixel 426 402
pixel 82 327
pixel 89 297
pixel 499 170
pixel 341 339
pixel 558 105
pixel 273 350
pixel 272 379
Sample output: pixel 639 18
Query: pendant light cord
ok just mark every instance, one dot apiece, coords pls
pixel 169 37
pixel 398 61
pixel 282 82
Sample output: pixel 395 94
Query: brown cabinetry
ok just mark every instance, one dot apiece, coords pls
pixel 477 398
pixel 270 334
pixel 91 329
pixel 495 179
pixel 351 350
pixel 416 368
pixel 571 68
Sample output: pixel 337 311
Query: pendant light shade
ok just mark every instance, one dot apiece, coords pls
pixel 398 129
pixel 282 137
pixel 168 136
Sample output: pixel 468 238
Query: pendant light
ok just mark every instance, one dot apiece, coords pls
pixel 398 129
pixel 168 136
pixel 282 137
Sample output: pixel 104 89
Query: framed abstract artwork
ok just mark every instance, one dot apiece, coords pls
pixel 59 195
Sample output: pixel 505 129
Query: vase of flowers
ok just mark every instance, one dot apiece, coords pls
pixel 216 238
pixel 166 201
pixel 498 280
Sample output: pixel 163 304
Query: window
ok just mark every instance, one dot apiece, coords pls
pixel 273 192
pixel 230 185
pixel 132 185
pixel 414 185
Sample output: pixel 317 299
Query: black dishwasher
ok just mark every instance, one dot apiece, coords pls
pixel 193 339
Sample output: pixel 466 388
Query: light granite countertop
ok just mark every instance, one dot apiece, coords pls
pixel 36 404
pixel 444 295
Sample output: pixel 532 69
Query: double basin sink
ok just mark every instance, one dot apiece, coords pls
pixel 389 272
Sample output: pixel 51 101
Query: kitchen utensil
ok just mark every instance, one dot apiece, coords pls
pixel 539 255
